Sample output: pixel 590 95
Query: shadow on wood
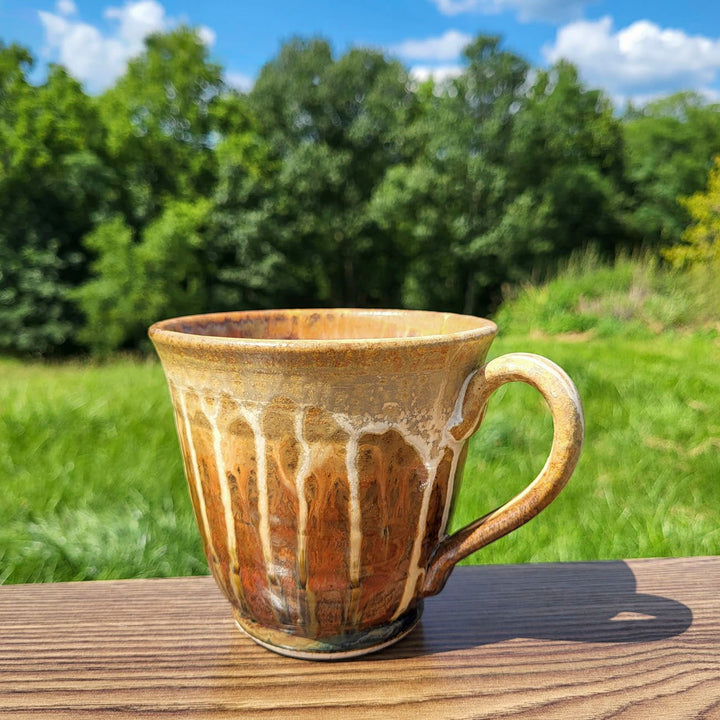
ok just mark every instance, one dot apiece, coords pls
pixel 583 602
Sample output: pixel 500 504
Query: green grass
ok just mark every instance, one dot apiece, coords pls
pixel 91 475
pixel 641 343
pixel 647 483
pixel 635 297
pixel 93 486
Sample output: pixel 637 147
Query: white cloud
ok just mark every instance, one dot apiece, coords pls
pixel 239 81
pixel 83 50
pixel 99 58
pixel 434 54
pixel 445 47
pixel 526 10
pixel 639 61
pixel 137 20
pixel 439 74
pixel 207 35
pixel 66 7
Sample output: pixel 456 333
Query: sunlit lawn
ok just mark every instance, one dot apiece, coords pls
pixel 93 485
pixel 648 481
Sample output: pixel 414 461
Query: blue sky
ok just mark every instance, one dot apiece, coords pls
pixel 632 49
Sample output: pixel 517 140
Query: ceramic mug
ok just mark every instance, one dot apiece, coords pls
pixel 323 450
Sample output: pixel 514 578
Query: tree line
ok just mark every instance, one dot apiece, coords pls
pixel 335 181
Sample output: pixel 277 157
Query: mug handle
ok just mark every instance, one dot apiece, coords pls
pixel 568 428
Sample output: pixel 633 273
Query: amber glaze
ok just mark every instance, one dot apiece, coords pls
pixel 323 450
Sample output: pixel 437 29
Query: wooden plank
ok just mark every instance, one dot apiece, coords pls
pixel 636 639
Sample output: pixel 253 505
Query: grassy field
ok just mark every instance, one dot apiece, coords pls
pixel 648 481
pixel 91 474
pixel 93 484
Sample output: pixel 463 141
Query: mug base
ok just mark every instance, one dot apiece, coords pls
pixel 340 647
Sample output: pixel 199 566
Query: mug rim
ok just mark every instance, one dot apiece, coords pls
pixel 166 331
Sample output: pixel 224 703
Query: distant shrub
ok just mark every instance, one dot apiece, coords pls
pixel 632 296
pixel 701 239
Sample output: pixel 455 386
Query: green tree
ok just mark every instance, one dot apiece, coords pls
pixel 160 125
pixel 567 164
pixel 670 146
pixel 138 282
pixel 443 205
pixel 701 239
pixel 513 175
pixel 152 255
pixel 331 127
pixel 53 184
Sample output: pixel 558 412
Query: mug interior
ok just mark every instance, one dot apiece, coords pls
pixel 327 324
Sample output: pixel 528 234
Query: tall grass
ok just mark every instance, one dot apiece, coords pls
pixel 633 297
pixel 641 342
pixel 93 486
pixel 647 483
pixel 91 475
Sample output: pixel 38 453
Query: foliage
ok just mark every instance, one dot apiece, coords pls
pixel 93 481
pixel 510 178
pixel 568 168
pixel 632 297
pixel 337 180
pixel 701 239
pixel 333 127
pixel 670 146
pixel 444 204
pixel 53 184
pixel 137 283
pixel 160 124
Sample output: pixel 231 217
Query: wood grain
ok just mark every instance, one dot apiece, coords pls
pixel 636 639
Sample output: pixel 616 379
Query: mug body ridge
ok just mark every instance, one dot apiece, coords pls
pixel 321 462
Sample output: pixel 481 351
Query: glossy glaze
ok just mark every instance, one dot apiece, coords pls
pixel 323 450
